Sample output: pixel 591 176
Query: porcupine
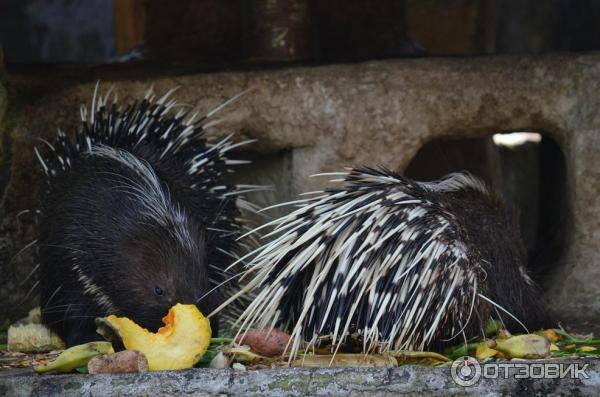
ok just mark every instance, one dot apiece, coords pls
pixel 135 217
pixel 397 264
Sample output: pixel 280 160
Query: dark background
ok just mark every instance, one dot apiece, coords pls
pixel 229 33
pixel 79 40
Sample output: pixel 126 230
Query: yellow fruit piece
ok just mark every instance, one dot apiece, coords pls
pixel 483 351
pixel 554 348
pixel 587 349
pixel 552 335
pixel 75 357
pixel 180 344
pixel 524 346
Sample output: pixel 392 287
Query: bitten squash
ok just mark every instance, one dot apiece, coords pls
pixel 179 344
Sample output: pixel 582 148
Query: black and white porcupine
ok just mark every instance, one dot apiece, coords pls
pixel 135 217
pixel 395 263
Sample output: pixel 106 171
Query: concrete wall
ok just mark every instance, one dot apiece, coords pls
pixel 326 118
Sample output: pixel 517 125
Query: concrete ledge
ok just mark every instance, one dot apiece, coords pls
pixel 403 381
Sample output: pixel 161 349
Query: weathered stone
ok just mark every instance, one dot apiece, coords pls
pixel 402 381
pixel 330 117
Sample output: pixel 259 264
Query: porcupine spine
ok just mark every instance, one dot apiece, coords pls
pixel 174 174
pixel 404 264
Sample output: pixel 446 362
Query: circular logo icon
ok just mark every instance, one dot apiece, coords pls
pixel 465 371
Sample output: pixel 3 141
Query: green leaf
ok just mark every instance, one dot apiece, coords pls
pixel 213 348
pixel 220 341
pixel 492 327
pixel 568 338
pixel 463 349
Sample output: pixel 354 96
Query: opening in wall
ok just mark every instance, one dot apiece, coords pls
pixel 526 168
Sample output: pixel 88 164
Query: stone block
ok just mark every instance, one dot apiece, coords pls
pixel 329 117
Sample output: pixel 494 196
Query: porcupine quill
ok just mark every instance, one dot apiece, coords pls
pixel 136 215
pixel 406 265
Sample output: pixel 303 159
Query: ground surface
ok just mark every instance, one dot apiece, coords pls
pixel 406 380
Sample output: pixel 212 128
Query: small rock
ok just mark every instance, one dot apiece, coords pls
pixel 220 361
pixel 32 338
pixel 121 362
pixel 239 367
pixel 268 342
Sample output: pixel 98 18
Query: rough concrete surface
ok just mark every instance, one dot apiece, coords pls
pixel 402 381
pixel 325 118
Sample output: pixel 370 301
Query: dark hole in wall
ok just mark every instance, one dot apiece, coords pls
pixel 527 170
pixel 269 171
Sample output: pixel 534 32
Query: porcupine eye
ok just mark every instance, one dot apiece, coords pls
pixel 158 291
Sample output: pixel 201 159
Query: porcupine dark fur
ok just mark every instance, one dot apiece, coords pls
pixel 135 217
pixel 402 264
